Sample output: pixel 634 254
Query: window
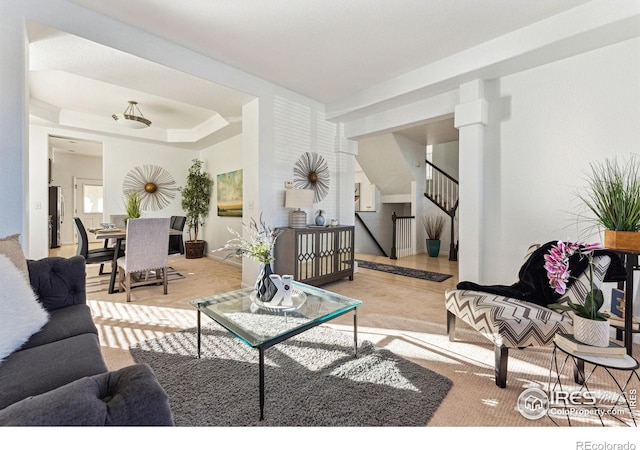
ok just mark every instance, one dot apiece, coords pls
pixel 92 199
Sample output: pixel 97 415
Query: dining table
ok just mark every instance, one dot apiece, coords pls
pixel 119 236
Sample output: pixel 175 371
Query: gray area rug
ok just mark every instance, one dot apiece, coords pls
pixel 405 271
pixel 312 379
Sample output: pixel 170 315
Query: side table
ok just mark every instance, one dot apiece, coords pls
pixel 630 260
pixel 585 401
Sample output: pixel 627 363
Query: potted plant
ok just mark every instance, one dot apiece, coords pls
pixel 613 197
pixel 590 325
pixel 132 206
pixel 433 225
pixel 196 196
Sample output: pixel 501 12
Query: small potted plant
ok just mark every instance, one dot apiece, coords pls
pixel 132 206
pixel 196 196
pixel 613 198
pixel 590 325
pixel 433 225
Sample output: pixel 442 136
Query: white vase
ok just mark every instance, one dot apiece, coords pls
pixel 591 332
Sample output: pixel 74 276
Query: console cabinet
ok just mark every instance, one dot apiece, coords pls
pixel 315 255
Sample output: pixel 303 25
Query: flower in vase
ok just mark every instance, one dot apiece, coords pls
pixel 557 267
pixel 258 246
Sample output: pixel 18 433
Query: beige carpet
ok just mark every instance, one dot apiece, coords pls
pixel 402 314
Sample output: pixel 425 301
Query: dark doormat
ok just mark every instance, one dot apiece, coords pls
pixel 404 271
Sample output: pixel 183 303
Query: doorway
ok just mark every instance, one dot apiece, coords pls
pixel 88 204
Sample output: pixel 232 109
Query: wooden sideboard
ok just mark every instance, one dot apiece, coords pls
pixel 315 255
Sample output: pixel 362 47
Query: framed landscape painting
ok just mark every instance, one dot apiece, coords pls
pixel 230 194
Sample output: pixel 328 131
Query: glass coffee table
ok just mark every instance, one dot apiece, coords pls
pixel 263 325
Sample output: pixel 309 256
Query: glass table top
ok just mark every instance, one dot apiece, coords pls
pixel 259 324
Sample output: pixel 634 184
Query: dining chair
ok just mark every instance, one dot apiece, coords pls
pixel 146 252
pixel 92 256
pixel 176 243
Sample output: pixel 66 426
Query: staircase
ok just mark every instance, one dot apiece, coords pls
pixel 442 190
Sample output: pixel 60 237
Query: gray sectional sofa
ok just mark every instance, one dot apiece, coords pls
pixel 59 377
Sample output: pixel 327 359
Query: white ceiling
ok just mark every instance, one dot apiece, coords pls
pixel 327 50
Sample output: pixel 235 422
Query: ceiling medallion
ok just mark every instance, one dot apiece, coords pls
pixel 155 185
pixel 130 119
pixel 312 172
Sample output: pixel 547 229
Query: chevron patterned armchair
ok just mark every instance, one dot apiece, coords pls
pixel 509 322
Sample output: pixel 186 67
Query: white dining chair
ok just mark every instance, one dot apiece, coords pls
pixel 146 251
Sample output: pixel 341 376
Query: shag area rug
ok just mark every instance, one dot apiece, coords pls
pixel 312 379
pixel 405 271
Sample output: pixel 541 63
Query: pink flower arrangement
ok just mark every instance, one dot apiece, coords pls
pixel 557 267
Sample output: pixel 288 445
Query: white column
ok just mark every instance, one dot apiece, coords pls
pixel 470 119
pixel 346 151
pixel 13 123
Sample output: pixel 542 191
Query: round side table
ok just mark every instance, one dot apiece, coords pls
pixel 622 404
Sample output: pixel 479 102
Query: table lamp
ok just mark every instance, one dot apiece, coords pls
pixel 299 198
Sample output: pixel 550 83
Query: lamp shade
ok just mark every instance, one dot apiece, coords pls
pixel 299 198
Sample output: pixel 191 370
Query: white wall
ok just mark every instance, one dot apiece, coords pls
pixel 545 126
pixel 221 158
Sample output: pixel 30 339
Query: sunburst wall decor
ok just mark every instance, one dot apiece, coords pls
pixel 155 185
pixel 312 172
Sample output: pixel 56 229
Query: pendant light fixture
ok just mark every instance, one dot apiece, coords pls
pixel 130 119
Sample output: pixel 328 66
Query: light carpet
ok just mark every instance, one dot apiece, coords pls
pixel 312 379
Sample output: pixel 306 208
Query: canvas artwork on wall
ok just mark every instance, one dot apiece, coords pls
pixel 230 194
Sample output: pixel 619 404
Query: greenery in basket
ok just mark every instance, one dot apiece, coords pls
pixel 433 225
pixel 557 267
pixel 132 206
pixel 613 194
pixel 196 196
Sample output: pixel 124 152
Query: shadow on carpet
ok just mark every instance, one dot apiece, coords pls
pixel 311 379
pixel 405 271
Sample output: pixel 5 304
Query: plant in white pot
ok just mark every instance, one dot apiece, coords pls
pixel 590 325
pixel 196 196
pixel 613 198
pixel 433 226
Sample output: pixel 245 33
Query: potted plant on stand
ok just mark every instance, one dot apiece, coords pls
pixel 613 197
pixel 590 325
pixel 433 225
pixel 196 196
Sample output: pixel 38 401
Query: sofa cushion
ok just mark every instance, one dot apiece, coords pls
pixel 59 282
pixel 129 396
pixel 21 315
pixel 10 247
pixel 39 369
pixel 63 323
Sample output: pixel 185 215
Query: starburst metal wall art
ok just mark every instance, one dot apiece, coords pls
pixel 312 172
pixel 155 185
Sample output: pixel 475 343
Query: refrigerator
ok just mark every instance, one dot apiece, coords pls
pixel 56 215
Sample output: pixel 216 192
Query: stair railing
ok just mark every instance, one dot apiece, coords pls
pixel 402 234
pixel 366 228
pixel 443 191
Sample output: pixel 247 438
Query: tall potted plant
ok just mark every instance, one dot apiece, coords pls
pixel 196 196
pixel 613 197
pixel 433 225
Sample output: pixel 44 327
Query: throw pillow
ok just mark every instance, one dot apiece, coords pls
pixel 10 246
pixel 21 315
